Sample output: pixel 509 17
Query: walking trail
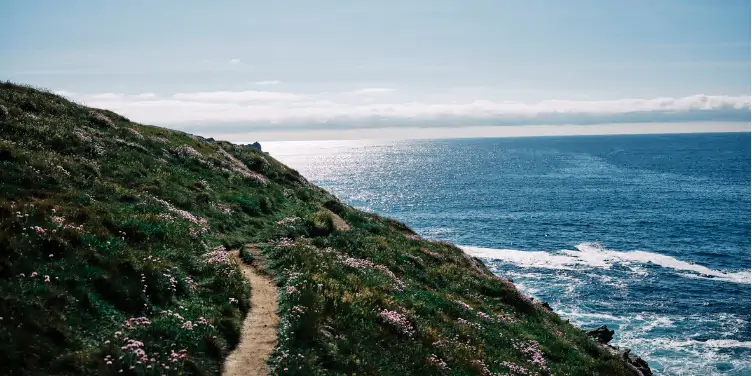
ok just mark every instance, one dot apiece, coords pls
pixel 259 334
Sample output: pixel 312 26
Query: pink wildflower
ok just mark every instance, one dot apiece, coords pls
pixel 399 321
pixel 437 362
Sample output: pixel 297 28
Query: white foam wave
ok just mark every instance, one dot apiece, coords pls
pixel 691 343
pixel 593 255
pixel 586 318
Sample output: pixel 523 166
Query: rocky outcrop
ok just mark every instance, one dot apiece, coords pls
pixel 254 145
pixel 603 335
pixel 638 364
pixel 547 306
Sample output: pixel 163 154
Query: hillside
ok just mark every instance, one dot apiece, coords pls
pixel 115 241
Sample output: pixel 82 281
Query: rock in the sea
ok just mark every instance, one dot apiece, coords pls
pixel 601 334
pixel 547 306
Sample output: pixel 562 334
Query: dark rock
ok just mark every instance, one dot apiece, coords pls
pixel 255 145
pixel 638 363
pixel 546 306
pixel 601 334
pixel 210 139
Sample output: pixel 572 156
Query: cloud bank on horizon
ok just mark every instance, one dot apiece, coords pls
pixel 371 107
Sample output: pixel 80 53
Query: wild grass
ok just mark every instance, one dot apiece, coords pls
pixel 113 239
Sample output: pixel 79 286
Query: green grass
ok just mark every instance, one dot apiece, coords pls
pixel 112 230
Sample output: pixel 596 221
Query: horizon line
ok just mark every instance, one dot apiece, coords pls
pixel 478 132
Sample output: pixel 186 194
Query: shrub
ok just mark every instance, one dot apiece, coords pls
pixel 321 223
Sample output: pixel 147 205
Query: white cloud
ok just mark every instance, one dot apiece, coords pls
pixel 144 95
pixel 269 82
pixel 236 96
pixel 235 61
pixel 265 107
pixel 374 90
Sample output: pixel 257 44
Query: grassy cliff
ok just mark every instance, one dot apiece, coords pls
pixel 113 239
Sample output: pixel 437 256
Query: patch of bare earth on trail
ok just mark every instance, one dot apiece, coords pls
pixel 259 334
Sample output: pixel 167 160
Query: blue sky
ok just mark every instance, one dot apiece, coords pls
pixel 234 66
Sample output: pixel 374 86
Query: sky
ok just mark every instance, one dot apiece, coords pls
pixel 303 69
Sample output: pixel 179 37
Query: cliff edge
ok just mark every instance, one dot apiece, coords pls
pixel 114 259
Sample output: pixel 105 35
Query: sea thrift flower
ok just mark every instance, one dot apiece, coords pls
pixel 367 264
pixel 515 368
pixel 464 305
pixel 193 286
pixel 437 362
pixel 288 221
pixel 504 317
pixel 102 119
pixel 186 151
pixel 399 321
pixel 484 316
pixel 532 350
pixel 475 325
pixel 134 322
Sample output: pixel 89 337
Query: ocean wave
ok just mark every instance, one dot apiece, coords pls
pixel 593 255
pixel 587 318
pixel 692 343
pixel 692 357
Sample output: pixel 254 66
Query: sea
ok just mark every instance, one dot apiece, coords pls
pixel 647 234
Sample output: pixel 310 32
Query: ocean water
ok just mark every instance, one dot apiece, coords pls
pixel 648 234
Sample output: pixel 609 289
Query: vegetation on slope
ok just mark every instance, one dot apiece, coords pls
pixel 113 238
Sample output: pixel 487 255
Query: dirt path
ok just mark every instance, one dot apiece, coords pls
pixel 259 333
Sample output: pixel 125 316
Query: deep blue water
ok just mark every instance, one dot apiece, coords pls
pixel 648 234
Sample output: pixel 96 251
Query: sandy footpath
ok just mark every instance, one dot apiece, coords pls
pixel 259 333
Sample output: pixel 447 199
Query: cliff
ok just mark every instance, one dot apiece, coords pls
pixel 114 259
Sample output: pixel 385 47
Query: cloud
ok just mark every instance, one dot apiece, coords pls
pixel 279 110
pixel 374 90
pixel 269 82
pixel 235 96
pixel 235 61
pixel 473 132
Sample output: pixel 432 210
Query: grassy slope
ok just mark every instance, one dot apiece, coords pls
pixel 111 235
